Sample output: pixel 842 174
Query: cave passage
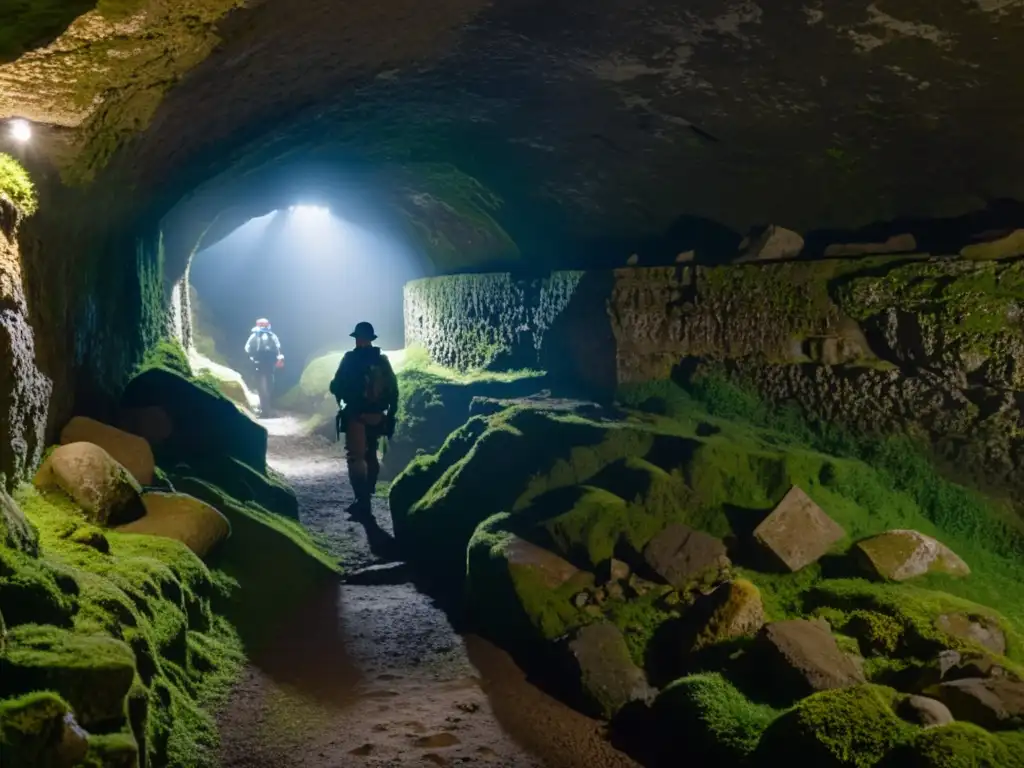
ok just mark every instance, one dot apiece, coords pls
pixel 312 273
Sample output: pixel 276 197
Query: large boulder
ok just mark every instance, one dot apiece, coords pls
pixel 995 703
pixel 93 673
pixel 179 516
pixel 802 657
pixel 16 531
pixel 131 451
pixel 975 629
pixel 39 729
pixel 683 557
pixel 202 423
pixel 95 481
pixel 605 675
pixel 520 592
pixel 924 711
pixel 1004 248
pixel 852 727
pixel 798 532
pixel 901 554
pixel 772 244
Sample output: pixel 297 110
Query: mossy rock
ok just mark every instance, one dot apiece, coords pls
pixel 114 750
pixel 31 591
pixel 272 560
pixel 37 731
pixel 957 745
pixel 15 529
pixel 240 481
pixel 521 454
pixel 707 715
pixel 519 593
pixel 205 425
pixel 845 727
pixel 95 481
pixel 92 672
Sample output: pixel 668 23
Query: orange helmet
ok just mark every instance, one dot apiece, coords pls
pixel 263 323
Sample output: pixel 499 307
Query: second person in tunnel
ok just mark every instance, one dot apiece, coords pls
pixel 366 386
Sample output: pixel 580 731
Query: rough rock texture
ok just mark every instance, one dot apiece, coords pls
pixel 24 390
pixel 804 658
pixel 131 451
pixel 179 516
pixel 97 483
pixel 980 630
pixel 901 555
pixel 798 532
pixel 664 83
pixel 733 610
pixel 994 703
pixel 774 244
pixel 924 711
pixel 15 529
pixel 683 557
pixel 485 321
pixel 890 344
pixel 607 677
pixel 38 730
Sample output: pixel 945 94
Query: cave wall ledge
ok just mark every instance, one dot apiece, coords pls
pixel 910 343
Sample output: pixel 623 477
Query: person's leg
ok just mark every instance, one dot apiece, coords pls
pixel 355 453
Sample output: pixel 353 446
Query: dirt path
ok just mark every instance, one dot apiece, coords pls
pixel 374 675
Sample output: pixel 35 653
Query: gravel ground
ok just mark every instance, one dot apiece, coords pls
pixel 373 674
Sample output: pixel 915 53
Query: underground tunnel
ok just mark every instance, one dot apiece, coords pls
pixel 687 431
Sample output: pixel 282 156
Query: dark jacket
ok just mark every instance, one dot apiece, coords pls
pixel 349 380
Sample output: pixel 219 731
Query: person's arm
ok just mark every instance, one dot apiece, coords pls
pixel 249 344
pixel 277 343
pixel 338 382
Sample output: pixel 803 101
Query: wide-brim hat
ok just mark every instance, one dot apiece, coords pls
pixel 363 331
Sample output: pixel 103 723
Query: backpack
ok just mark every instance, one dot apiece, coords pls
pixel 376 384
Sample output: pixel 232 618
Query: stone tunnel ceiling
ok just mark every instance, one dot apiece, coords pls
pixel 553 122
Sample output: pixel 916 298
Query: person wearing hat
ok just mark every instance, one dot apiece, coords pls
pixel 366 388
pixel 264 351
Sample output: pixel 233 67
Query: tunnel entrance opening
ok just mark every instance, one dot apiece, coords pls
pixel 313 274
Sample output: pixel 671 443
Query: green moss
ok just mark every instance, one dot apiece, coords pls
pixel 31 727
pixel 705 714
pixel 113 750
pixel 15 185
pixel 168 355
pixel 152 595
pixel 846 727
pixel 513 602
pixel 262 595
pixel 887 618
pixel 31 590
pixel 93 673
pixel 521 455
pixel 958 745
pixel 639 620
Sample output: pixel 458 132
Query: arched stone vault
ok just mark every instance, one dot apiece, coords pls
pixel 546 134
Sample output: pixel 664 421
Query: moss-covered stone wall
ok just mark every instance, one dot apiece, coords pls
pixel 485 321
pixel 926 345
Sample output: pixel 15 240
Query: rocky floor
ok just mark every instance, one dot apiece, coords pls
pixel 372 672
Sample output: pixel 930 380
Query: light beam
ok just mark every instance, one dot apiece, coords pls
pixel 20 130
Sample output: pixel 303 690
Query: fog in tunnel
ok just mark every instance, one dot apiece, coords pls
pixel 312 273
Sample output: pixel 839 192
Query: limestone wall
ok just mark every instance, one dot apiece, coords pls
pixel 24 390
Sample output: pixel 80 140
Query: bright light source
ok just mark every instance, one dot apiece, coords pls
pixel 21 131
pixel 310 211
